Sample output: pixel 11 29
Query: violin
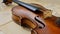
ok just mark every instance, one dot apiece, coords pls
pixel 39 19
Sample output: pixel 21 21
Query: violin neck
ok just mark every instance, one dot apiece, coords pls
pixel 26 5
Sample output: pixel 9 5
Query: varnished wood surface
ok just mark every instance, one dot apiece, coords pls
pixel 50 27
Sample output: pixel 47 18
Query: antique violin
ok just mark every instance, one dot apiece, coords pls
pixel 39 19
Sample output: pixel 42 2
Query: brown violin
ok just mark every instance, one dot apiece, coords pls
pixel 39 19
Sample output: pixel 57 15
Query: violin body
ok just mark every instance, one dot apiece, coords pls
pixel 50 28
pixel 42 22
